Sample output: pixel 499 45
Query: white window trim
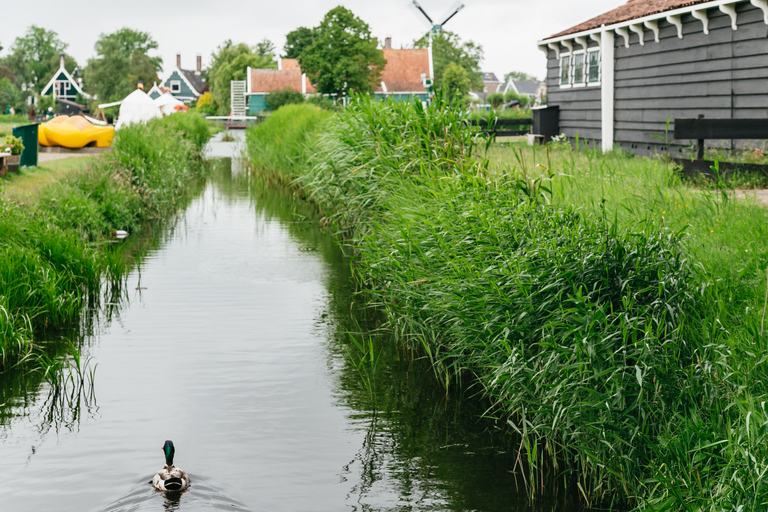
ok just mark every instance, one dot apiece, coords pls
pixel 599 68
pixel 583 68
pixel 175 86
pixel 560 74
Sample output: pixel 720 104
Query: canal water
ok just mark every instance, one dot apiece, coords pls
pixel 231 340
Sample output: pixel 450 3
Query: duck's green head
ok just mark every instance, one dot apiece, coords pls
pixel 169 450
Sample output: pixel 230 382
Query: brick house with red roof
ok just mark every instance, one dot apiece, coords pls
pixel 407 74
pixel 617 78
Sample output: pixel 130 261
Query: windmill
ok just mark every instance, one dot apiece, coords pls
pixel 436 28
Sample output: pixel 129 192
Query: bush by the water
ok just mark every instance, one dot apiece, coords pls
pixel 50 267
pixel 625 352
pixel 277 99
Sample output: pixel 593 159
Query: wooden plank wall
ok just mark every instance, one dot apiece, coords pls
pixel 722 74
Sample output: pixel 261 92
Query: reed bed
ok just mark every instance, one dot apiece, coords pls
pixel 54 250
pixel 612 316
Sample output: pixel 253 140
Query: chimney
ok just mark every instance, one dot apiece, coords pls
pixel 61 60
pixel 199 63
pixel 178 60
pixel 387 43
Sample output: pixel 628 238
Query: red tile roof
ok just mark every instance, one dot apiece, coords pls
pixel 633 9
pixel 404 69
pixel 287 64
pixel 272 80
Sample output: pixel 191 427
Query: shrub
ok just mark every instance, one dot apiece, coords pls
pixel 205 104
pixel 287 96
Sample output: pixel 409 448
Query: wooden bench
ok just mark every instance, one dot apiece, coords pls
pixel 4 163
pixel 701 129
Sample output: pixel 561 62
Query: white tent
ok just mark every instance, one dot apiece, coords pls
pixel 166 103
pixel 137 107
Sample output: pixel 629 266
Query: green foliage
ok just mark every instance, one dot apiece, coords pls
pixel 12 145
pixel 296 41
pixel 282 142
pixel 122 61
pixel 277 99
pixel 342 57
pixel 447 48
pixel 230 62
pixel 518 75
pixel 265 48
pixel 455 81
pixel 50 267
pixel 323 103
pixel 34 57
pixel 524 99
pixel 10 95
pixel 205 104
pixel 495 99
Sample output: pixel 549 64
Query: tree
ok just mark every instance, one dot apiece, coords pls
pixel 10 96
pixel 230 62
pixel 296 41
pixel 524 99
pixel 265 48
pixel 518 75
pixel 123 61
pixel 495 99
pixel 455 81
pixel 342 57
pixel 448 48
pixel 34 57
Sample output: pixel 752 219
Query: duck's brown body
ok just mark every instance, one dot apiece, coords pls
pixel 170 478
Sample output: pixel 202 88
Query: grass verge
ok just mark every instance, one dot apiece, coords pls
pixel 612 315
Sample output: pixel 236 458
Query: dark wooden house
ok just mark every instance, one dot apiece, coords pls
pixel 618 78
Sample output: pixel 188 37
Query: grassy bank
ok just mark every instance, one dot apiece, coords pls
pixel 612 314
pixel 55 233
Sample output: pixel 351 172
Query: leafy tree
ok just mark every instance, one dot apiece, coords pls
pixel 518 75
pixel 296 41
pixel 265 48
pixel 277 99
pixel 455 81
pixel 205 104
pixel 122 61
pixel 342 57
pixel 10 96
pixel 448 48
pixel 34 57
pixel 230 62
pixel 6 72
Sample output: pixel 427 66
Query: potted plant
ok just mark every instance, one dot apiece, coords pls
pixel 14 146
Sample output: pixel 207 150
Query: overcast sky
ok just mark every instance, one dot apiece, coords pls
pixel 507 29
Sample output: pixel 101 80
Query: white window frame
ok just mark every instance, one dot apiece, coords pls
pixel 583 68
pixel 175 86
pixel 560 75
pixel 599 67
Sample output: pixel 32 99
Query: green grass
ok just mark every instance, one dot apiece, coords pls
pixel 56 222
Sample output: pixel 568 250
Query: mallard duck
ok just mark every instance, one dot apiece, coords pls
pixel 170 478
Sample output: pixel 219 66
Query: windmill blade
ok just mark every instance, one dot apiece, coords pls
pixel 454 13
pixel 416 4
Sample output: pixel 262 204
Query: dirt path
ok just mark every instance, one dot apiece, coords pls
pixel 760 194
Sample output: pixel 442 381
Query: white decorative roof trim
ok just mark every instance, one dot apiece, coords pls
pixel 596 37
pixel 761 4
pixel 730 10
pixel 653 26
pixel 69 77
pixel 698 11
pixel 675 20
pixel 638 29
pixel 545 48
pixel 568 44
pixel 701 15
pixel 191 87
pixel 555 48
pixel 582 41
pixel 623 32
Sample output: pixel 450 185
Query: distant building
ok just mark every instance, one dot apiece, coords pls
pixel 63 85
pixel 491 83
pixel 407 74
pixel 525 87
pixel 185 84
pixel 617 79
pixel 260 82
pixel 155 92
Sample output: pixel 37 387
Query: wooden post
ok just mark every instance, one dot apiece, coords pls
pixel 700 144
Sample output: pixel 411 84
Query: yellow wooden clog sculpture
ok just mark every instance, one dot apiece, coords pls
pixel 74 132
